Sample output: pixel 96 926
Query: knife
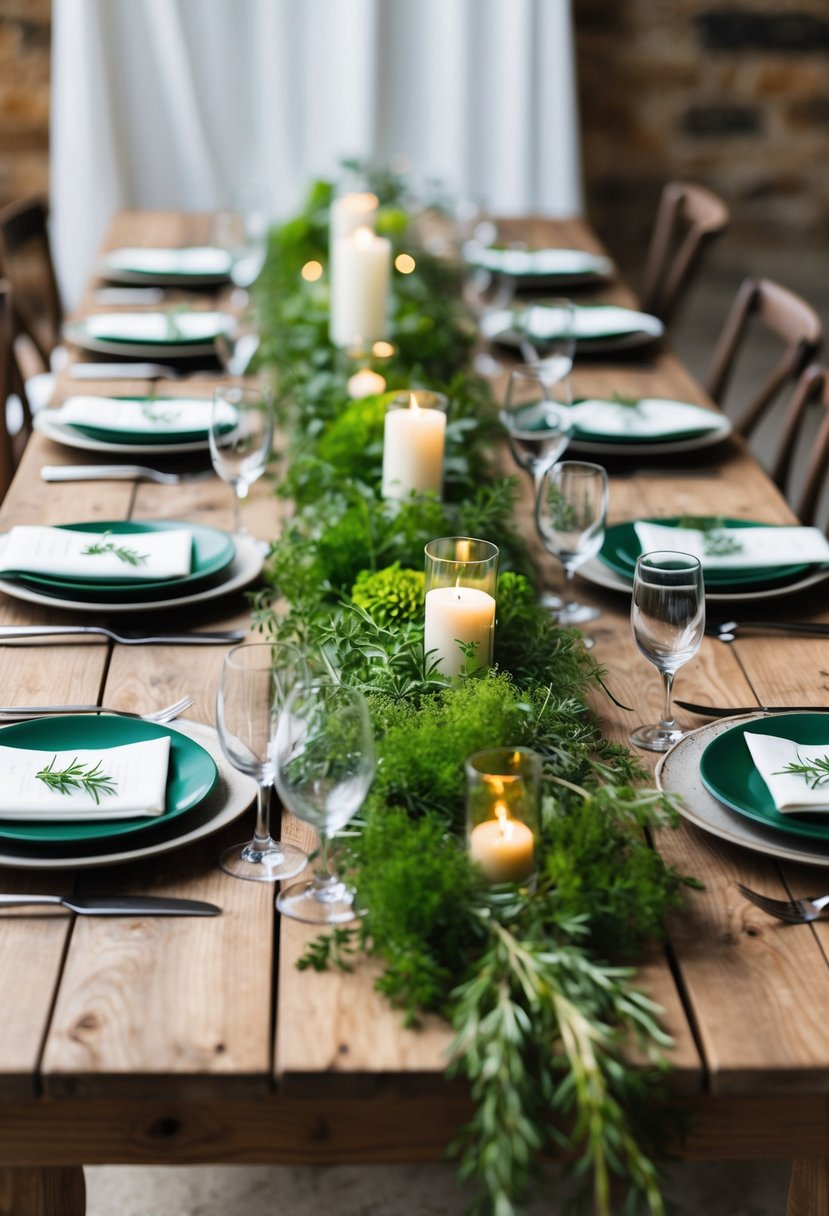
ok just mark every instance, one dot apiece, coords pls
pixel 117 905
pixel 121 371
pixel 198 638
pixel 726 711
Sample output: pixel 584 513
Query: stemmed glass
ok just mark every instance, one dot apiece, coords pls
pixel 324 754
pixel 552 327
pixel 570 513
pixel 667 615
pixel 538 428
pixel 256 680
pixel 241 435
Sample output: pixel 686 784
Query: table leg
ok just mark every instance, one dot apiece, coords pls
pixel 809 1187
pixel 50 1191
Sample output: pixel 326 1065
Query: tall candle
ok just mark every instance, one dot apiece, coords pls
pixel 456 614
pixel 349 212
pixel 413 443
pixel 360 270
pixel 504 848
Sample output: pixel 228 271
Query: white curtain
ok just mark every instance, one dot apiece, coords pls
pixel 200 104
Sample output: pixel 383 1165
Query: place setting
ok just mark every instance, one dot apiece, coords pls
pixel 175 333
pixel 596 328
pixel 174 266
pixel 537 267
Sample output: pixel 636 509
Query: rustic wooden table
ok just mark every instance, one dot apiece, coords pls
pixel 193 1041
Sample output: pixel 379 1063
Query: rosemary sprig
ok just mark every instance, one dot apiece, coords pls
pixel 154 412
pixel 717 541
pixel 632 403
pixel 814 772
pixel 131 556
pixel 77 777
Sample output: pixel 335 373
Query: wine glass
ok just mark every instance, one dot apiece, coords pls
pixel 256 680
pixel 324 766
pixel 667 615
pixel 538 428
pixel 486 293
pixel 551 326
pixel 241 434
pixel 570 514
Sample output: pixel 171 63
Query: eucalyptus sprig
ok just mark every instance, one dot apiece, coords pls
pixel 77 777
pixel 106 545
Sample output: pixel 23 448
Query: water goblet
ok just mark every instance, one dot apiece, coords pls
pixel 256 680
pixel 667 614
pixel 538 427
pixel 324 767
pixel 551 326
pixel 240 434
pixel 570 514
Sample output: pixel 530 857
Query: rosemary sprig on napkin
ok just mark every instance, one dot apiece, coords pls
pixel 154 412
pixel 717 541
pixel 77 777
pixel 815 772
pixel 131 556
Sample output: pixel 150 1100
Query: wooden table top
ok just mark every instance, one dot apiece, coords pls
pixel 211 1016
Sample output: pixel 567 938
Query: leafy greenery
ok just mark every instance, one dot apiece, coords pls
pixel 77 776
pixel 530 979
pixel 105 544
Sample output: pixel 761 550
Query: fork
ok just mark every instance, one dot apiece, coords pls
pixel 120 472
pixel 727 631
pixel 200 638
pixel 24 712
pixel 793 911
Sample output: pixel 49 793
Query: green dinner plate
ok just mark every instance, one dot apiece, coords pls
pixel 621 549
pixel 595 435
pixel 213 551
pixel 167 435
pixel 728 772
pixel 191 776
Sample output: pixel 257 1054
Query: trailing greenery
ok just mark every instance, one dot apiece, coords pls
pixel 541 1006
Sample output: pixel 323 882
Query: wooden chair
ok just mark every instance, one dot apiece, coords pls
pixel 812 390
pixel 688 219
pixel 784 315
pixel 26 261
pixel 11 382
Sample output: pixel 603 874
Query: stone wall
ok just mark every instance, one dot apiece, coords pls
pixel 733 96
pixel 25 39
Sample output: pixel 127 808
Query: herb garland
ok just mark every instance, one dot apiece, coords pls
pixel 541 1017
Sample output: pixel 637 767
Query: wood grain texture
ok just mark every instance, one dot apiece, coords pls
pixel 809 1187
pixel 42 1192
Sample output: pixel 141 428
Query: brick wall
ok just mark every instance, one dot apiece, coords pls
pixel 732 95
pixel 25 36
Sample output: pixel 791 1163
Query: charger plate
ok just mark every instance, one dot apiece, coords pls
pixel 678 772
pixel 596 572
pixel 232 795
pixel 67 435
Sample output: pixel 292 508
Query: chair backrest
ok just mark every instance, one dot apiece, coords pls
pixel 26 261
pixel 688 219
pixel 811 391
pixel 7 386
pixel 779 312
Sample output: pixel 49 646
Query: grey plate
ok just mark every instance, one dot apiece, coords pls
pixel 596 572
pixel 678 773
pixel 659 447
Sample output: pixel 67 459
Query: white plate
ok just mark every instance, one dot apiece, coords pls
pixel 109 333
pixel 61 432
pixel 200 265
pixel 657 447
pixel 600 327
pixel 245 567
pixel 596 572
pixel 233 794
pixel 678 773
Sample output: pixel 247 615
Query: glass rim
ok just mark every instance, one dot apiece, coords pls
pixel 665 555
pixel 472 762
pixel 258 647
pixel 241 394
pixel 580 466
pixel 401 400
pixel 492 551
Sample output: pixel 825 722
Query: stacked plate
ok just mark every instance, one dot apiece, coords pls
pixel 536 267
pixel 192 266
pixel 174 334
pixel 598 327
pixel 723 792
pixel 129 425
pixel 203 793
pixel 646 426
pixel 220 564
pixel 614 567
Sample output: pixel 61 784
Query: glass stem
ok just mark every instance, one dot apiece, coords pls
pixel 667 719
pixel 262 831
pixel 322 874
pixel 567 591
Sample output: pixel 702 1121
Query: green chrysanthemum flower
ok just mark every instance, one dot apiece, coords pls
pixel 390 596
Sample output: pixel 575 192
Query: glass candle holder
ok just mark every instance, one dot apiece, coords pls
pixel 414 438
pixel 461 581
pixel 503 787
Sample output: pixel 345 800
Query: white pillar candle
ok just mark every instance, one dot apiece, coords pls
pixel 456 614
pixel 413 443
pixel 365 383
pixel 349 212
pixel 504 848
pixel 360 271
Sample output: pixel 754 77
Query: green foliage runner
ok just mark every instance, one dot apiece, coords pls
pixel 537 989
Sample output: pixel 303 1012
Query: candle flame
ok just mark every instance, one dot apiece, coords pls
pixel 413 403
pixel 463 551
pixel 363 237
pixel 506 826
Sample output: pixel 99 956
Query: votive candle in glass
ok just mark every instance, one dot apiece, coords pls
pixel 461 582
pixel 414 437
pixel 503 787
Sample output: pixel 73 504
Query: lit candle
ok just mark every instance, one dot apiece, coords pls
pixel 504 848
pixel 413 443
pixel 456 614
pixel 360 268
pixel 349 212
pixel 365 383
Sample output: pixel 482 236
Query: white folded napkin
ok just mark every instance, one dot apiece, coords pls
pixel 196 259
pixel 791 792
pixel 159 414
pixel 138 773
pixel 537 261
pixel 62 552
pixel 650 418
pixel 158 326
pixel 759 547
pixel 599 321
